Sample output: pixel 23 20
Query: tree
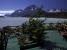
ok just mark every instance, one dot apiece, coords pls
pixel 34 28
pixel 65 22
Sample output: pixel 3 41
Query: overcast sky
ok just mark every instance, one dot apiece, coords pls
pixel 21 4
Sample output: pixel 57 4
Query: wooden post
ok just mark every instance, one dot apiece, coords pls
pixel 3 40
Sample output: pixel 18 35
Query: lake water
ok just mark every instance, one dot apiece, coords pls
pixel 15 21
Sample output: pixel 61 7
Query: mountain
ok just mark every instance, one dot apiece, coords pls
pixel 1 16
pixel 17 13
pixel 35 11
pixel 31 10
pixel 6 12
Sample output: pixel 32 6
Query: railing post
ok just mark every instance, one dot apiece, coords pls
pixel 3 40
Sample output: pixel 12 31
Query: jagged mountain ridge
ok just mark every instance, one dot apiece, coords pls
pixel 35 11
pixel 28 11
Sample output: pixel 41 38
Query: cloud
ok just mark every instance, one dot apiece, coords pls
pixel 10 11
pixel 2 13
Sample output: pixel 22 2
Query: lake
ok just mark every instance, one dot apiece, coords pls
pixel 15 21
